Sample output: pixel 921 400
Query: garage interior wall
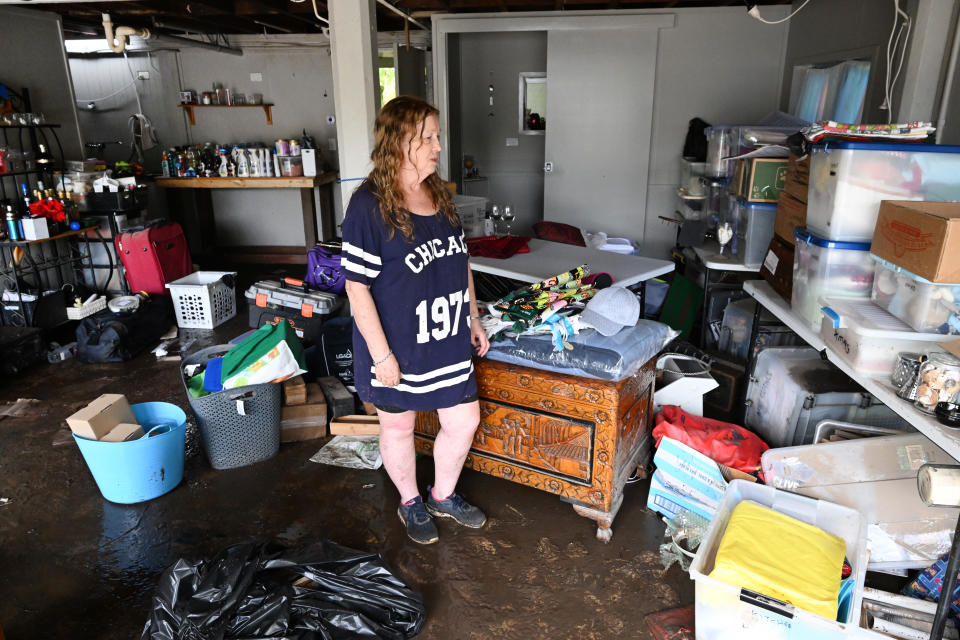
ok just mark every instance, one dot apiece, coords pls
pixel 716 64
pixel 294 74
pixel 824 32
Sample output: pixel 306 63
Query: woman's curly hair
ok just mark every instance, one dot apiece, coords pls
pixel 401 117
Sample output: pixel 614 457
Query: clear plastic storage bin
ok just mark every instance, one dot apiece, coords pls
pixel 738 325
pixel 754 225
pixel 824 267
pixel 928 307
pixel 869 337
pixel 725 611
pixel 849 179
pixel 471 210
pixel 726 141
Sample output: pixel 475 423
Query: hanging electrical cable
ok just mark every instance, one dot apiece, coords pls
pixel 894 43
pixel 754 12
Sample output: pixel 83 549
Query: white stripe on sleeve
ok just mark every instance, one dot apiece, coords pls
pixel 360 253
pixel 358 268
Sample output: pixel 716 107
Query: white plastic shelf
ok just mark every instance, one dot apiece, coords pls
pixel 944 437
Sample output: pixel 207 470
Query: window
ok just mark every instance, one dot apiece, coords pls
pixel 830 92
pixel 533 103
pixel 388 77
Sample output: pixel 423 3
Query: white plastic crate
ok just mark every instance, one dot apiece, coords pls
pixel 471 210
pixel 79 313
pixel 725 611
pixel 204 299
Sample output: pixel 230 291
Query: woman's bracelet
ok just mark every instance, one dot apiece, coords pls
pixel 377 363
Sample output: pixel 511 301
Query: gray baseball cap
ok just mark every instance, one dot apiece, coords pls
pixel 611 310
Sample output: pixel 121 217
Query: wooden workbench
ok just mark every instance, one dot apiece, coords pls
pixel 269 254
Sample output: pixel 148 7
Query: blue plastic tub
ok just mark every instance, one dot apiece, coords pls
pixel 142 469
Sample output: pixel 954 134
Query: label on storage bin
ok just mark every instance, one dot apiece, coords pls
pixel 764 611
pixel 771 262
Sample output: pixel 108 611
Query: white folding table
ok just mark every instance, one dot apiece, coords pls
pixel 547 259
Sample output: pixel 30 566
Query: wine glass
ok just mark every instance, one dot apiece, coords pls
pixel 497 216
pixel 508 216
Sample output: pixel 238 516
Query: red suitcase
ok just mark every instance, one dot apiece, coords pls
pixel 153 257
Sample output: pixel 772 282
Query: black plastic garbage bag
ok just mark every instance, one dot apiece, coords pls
pixel 248 592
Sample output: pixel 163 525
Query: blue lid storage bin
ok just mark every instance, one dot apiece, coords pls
pixel 823 267
pixel 849 179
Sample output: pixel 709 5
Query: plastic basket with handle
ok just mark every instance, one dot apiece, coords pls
pixel 204 299
pixel 238 426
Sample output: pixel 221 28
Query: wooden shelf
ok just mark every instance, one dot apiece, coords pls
pixel 236 183
pixel 245 183
pixel 65 234
pixel 267 109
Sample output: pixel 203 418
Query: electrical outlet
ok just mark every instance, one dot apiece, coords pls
pixel 332 144
pixel 256 77
pixel 143 75
pixel 513 142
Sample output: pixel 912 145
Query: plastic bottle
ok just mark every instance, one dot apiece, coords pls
pixel 224 169
pixel 165 165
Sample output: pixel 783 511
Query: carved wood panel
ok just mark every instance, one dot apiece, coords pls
pixel 562 434
pixel 549 443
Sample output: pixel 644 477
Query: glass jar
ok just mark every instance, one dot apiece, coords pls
pixel 939 381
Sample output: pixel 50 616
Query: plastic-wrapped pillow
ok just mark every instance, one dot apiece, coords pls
pixel 593 355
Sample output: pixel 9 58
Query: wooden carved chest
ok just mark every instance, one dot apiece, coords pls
pixel 576 437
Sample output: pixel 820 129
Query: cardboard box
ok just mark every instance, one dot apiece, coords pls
pixel 355 426
pixel 791 213
pixel 798 178
pixel 687 479
pixel 99 417
pixel 123 432
pixel 777 267
pixel 35 228
pixel 921 237
pixel 759 179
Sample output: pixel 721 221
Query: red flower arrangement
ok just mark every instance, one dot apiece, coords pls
pixel 50 209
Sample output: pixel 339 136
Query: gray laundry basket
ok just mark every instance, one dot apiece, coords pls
pixel 239 426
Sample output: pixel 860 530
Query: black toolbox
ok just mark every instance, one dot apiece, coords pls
pixel 294 301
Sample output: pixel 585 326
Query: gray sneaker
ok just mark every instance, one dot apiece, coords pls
pixel 457 508
pixel 420 527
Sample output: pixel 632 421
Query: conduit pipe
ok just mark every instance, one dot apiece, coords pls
pixel 118 40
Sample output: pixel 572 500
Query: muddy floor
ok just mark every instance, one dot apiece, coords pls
pixel 73 565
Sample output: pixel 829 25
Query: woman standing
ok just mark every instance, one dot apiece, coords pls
pixel 411 291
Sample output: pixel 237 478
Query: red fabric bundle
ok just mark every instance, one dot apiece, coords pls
pixel 494 247
pixel 722 442
pixel 559 232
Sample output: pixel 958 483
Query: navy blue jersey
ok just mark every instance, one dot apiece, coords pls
pixel 423 299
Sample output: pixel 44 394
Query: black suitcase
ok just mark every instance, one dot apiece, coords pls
pixel 20 347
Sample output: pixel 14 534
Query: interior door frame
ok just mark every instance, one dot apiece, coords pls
pixel 445 24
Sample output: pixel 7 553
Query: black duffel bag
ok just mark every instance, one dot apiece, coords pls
pixel 117 337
